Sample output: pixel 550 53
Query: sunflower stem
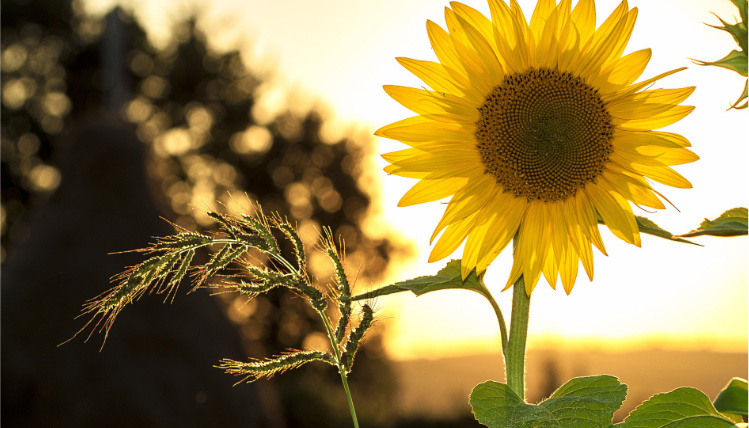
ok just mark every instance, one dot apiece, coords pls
pixel 515 350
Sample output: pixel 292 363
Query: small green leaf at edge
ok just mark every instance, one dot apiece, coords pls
pixel 648 226
pixel 580 403
pixel 448 278
pixel 733 222
pixel 645 225
pixel 733 398
pixel 682 407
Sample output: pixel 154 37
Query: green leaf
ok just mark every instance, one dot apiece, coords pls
pixel 648 226
pixel 680 408
pixel 584 402
pixel 733 398
pixel 448 278
pixel 731 223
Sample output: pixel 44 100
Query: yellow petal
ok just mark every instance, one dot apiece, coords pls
pixel 568 269
pixel 623 72
pixel 427 131
pixel 490 65
pixel 551 269
pixel 468 200
pixel 533 245
pixel 443 47
pixel 540 17
pixel 584 19
pixel 669 117
pixel 444 106
pixel 649 138
pixel 582 209
pixel 662 174
pixel 629 90
pixel 636 191
pixel 431 190
pixel 615 212
pixel 435 75
pixel 510 212
pixel 451 239
pixel 646 104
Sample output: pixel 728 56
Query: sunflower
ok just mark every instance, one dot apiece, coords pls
pixel 536 130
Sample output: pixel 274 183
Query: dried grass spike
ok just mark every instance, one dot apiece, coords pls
pixel 257 369
pixel 356 335
pixel 293 237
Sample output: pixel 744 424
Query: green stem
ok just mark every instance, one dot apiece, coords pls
pixel 515 350
pixel 500 319
pixel 341 368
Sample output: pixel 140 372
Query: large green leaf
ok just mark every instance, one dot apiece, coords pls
pixel 680 408
pixel 447 278
pixel 584 402
pixel 733 398
pixel 731 223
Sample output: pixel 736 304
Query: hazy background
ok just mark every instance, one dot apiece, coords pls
pixel 110 121
pixel 337 55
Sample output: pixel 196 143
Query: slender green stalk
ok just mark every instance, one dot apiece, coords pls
pixel 341 368
pixel 515 350
pixel 500 320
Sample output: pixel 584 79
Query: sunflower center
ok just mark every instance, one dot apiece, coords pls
pixel 544 134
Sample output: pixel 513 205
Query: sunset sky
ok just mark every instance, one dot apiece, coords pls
pixel 336 55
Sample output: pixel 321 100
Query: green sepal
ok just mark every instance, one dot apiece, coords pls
pixel 743 98
pixel 448 278
pixel 731 223
pixel 741 5
pixel 738 31
pixel 734 61
pixel 584 402
pixel 680 408
pixel 733 398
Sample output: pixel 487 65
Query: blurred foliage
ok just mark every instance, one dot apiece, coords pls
pixel 194 108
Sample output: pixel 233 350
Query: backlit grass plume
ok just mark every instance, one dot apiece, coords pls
pixel 235 261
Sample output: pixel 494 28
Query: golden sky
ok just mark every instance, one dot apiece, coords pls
pixel 339 53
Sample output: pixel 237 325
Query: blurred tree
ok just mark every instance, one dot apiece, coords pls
pixel 193 109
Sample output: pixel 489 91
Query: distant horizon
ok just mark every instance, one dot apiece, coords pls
pixel 429 387
pixel 461 349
